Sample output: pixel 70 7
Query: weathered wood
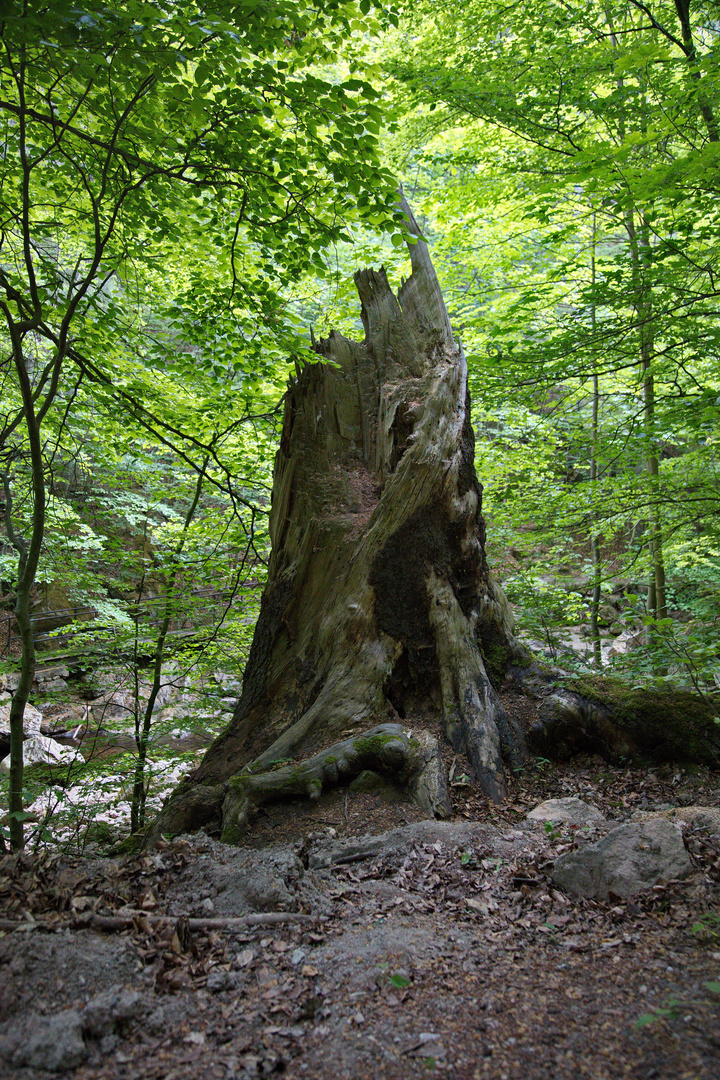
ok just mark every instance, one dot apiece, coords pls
pixel 412 760
pixel 620 722
pixel 128 918
pixel 379 604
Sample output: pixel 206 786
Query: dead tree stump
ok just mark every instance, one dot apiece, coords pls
pixel 379 606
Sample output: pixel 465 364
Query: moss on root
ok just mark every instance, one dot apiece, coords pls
pixel 662 722
pixel 388 749
pixel 496 658
pixel 373 745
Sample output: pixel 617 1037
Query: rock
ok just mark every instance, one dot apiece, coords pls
pixel 53 1043
pixel 607 614
pixel 370 781
pixel 567 724
pixel 218 980
pixel 273 885
pixel 238 881
pixel 110 1011
pixel 628 860
pixel 454 834
pixel 49 674
pixel 570 811
pixel 694 817
pixel 54 686
pixel 32 719
pixel 619 721
pixel 157 1021
pixel 42 749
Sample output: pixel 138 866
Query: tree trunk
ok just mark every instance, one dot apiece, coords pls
pixel 379 605
pixel 28 557
pixel 595 555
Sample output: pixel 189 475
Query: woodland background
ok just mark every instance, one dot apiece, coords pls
pixel 185 192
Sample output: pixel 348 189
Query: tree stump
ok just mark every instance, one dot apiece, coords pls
pixel 379 606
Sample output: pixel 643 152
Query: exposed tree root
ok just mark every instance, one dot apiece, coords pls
pixel 412 760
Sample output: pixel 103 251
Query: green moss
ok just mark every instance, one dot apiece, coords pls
pixel 131 845
pixel 496 659
pixel 657 703
pixel 255 768
pixel 239 782
pixel 330 760
pixel 369 781
pixel 671 724
pixel 373 745
pixel 231 834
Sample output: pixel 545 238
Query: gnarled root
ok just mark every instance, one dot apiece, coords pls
pixel 411 759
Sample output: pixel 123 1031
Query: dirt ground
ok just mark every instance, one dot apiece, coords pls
pixel 438 948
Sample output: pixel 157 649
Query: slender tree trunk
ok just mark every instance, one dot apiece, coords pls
pixel 641 255
pixel 659 610
pixel 697 83
pixel 28 558
pixel 379 605
pixel 142 729
pixel 594 536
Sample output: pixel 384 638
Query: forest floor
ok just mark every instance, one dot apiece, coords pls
pixel 440 948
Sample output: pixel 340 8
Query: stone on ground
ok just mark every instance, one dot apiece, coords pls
pixel 111 1010
pixel 44 750
pixel 51 1043
pixel 570 811
pixel 32 719
pixel 628 860
pixel 692 817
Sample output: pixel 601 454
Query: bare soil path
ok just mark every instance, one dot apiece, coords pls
pixel 441 948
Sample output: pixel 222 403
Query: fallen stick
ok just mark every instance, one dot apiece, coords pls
pixel 127 918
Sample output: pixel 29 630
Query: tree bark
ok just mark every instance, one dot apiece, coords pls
pixel 595 555
pixel 28 552
pixel 379 605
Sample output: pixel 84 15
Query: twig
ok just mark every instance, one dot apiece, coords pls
pixel 127 918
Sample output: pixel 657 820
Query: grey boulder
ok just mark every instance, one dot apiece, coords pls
pixel 628 860
pixel 111 1011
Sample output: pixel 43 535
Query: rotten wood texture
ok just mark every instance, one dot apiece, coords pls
pixel 379 604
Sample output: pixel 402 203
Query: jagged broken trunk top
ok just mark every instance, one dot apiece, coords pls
pixel 379 605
